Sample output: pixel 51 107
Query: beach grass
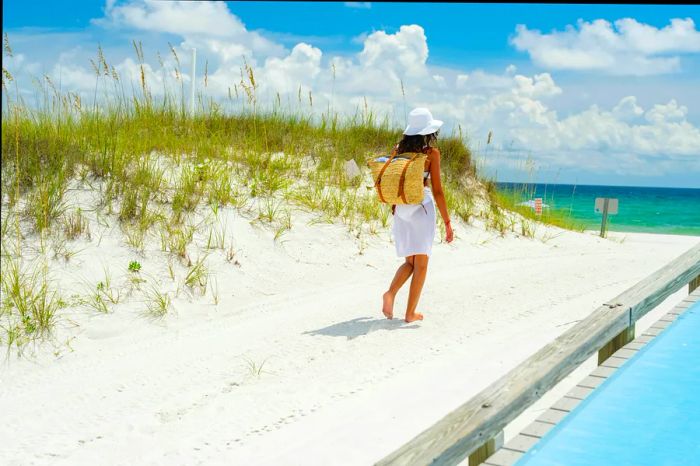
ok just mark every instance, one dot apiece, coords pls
pixel 30 302
pixel 153 164
pixel 158 303
pixel 510 200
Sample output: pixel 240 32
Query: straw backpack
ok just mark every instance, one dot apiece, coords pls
pixel 399 180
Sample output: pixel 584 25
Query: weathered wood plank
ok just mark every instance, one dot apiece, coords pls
pixel 472 424
pixel 620 340
pixel 651 291
pixel 590 382
pixel 635 345
pixel 625 352
pixel 614 362
pixel 522 443
pixel 579 392
pixel 452 438
pixel 662 324
pixel 552 416
pixel 694 284
pixel 644 338
pixel 686 304
pixel 487 449
pixel 652 331
pixel 603 372
pixel 504 457
pixel 566 404
pixel 537 429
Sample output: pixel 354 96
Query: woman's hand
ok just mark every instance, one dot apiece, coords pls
pixel 449 234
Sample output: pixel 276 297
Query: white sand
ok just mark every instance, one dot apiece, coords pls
pixel 338 383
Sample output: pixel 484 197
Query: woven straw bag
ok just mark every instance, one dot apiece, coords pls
pixel 399 180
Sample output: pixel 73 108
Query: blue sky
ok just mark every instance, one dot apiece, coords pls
pixel 460 34
pixel 622 112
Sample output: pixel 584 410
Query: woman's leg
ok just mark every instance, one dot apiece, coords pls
pixel 420 270
pixel 404 271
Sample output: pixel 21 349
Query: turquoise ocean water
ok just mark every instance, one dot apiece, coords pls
pixel 646 210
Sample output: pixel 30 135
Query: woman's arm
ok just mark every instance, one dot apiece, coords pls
pixel 438 193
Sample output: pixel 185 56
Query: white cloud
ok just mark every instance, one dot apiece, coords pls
pixel 627 109
pixel 517 107
pixel 18 64
pixel 439 81
pixel 478 79
pixel 181 18
pixel 300 67
pixel 671 112
pixel 75 78
pixel 461 81
pixel 540 85
pixel 360 38
pixel 679 36
pixel 406 51
pixel 628 48
pixel 667 133
pixel 385 63
pixel 208 22
pixel 624 139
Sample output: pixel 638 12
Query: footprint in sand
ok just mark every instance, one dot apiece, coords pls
pixel 230 387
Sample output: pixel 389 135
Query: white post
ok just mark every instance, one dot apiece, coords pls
pixel 194 63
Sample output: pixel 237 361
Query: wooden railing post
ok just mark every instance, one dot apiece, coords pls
pixel 620 340
pixel 480 455
pixel 694 283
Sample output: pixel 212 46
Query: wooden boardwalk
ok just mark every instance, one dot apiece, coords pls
pixel 474 429
pixel 512 451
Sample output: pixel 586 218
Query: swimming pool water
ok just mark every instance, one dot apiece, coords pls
pixel 646 413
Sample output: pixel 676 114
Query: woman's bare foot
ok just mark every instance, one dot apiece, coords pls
pixel 388 307
pixel 415 316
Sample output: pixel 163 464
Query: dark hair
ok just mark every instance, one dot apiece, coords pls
pixel 416 143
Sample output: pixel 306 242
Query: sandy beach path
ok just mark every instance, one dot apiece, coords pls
pixel 312 373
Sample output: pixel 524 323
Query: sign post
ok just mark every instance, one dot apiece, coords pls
pixel 606 206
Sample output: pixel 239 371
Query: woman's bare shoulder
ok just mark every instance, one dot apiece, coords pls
pixel 433 152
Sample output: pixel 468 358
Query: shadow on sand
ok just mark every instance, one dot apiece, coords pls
pixel 361 326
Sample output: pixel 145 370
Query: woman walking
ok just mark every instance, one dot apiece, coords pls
pixel 414 224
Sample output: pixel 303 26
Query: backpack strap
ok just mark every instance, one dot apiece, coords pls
pixel 402 192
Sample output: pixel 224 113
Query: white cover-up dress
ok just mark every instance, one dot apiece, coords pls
pixel 414 225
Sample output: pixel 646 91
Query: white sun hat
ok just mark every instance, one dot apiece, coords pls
pixel 421 121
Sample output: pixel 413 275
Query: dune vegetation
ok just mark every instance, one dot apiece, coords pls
pixel 151 167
